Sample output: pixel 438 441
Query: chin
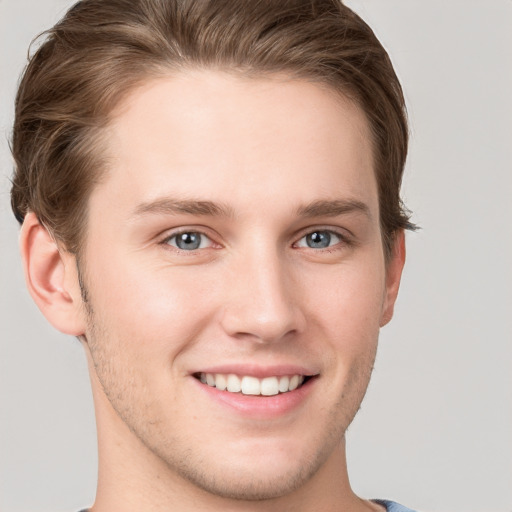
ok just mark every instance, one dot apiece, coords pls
pixel 263 470
pixel 251 485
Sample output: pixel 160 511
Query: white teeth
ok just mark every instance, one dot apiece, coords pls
pixel 284 384
pixel 269 386
pixel 221 382
pixel 233 385
pixel 249 385
pixel 294 382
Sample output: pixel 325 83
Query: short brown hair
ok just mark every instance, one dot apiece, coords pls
pixel 102 49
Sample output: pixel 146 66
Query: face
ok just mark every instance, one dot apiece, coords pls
pixel 236 279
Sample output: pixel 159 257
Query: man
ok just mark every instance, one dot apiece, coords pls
pixel 209 199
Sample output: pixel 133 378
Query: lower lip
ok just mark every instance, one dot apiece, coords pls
pixel 264 407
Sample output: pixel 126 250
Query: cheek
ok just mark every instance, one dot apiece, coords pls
pixel 351 298
pixel 347 314
pixel 149 310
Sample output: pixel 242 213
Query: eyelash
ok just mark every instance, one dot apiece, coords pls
pixel 343 240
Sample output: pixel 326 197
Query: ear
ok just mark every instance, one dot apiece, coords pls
pixel 394 269
pixel 52 278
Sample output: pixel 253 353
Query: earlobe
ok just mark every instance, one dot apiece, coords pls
pixel 51 278
pixel 393 275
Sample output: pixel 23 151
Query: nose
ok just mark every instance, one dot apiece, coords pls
pixel 262 299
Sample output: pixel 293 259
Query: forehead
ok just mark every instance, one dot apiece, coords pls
pixel 217 136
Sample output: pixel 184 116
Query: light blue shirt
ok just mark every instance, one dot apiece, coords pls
pixel 391 506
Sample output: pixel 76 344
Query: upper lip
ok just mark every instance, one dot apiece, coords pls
pixel 258 371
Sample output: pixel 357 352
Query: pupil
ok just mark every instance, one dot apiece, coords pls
pixel 188 241
pixel 319 239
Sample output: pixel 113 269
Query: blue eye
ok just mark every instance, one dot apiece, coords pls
pixel 319 240
pixel 189 241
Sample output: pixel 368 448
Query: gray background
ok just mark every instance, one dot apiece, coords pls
pixel 435 429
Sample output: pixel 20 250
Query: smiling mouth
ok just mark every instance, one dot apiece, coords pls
pixel 249 385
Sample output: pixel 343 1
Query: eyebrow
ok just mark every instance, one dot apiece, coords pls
pixel 333 208
pixel 320 208
pixel 168 205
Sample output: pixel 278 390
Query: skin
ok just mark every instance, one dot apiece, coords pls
pixel 262 151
